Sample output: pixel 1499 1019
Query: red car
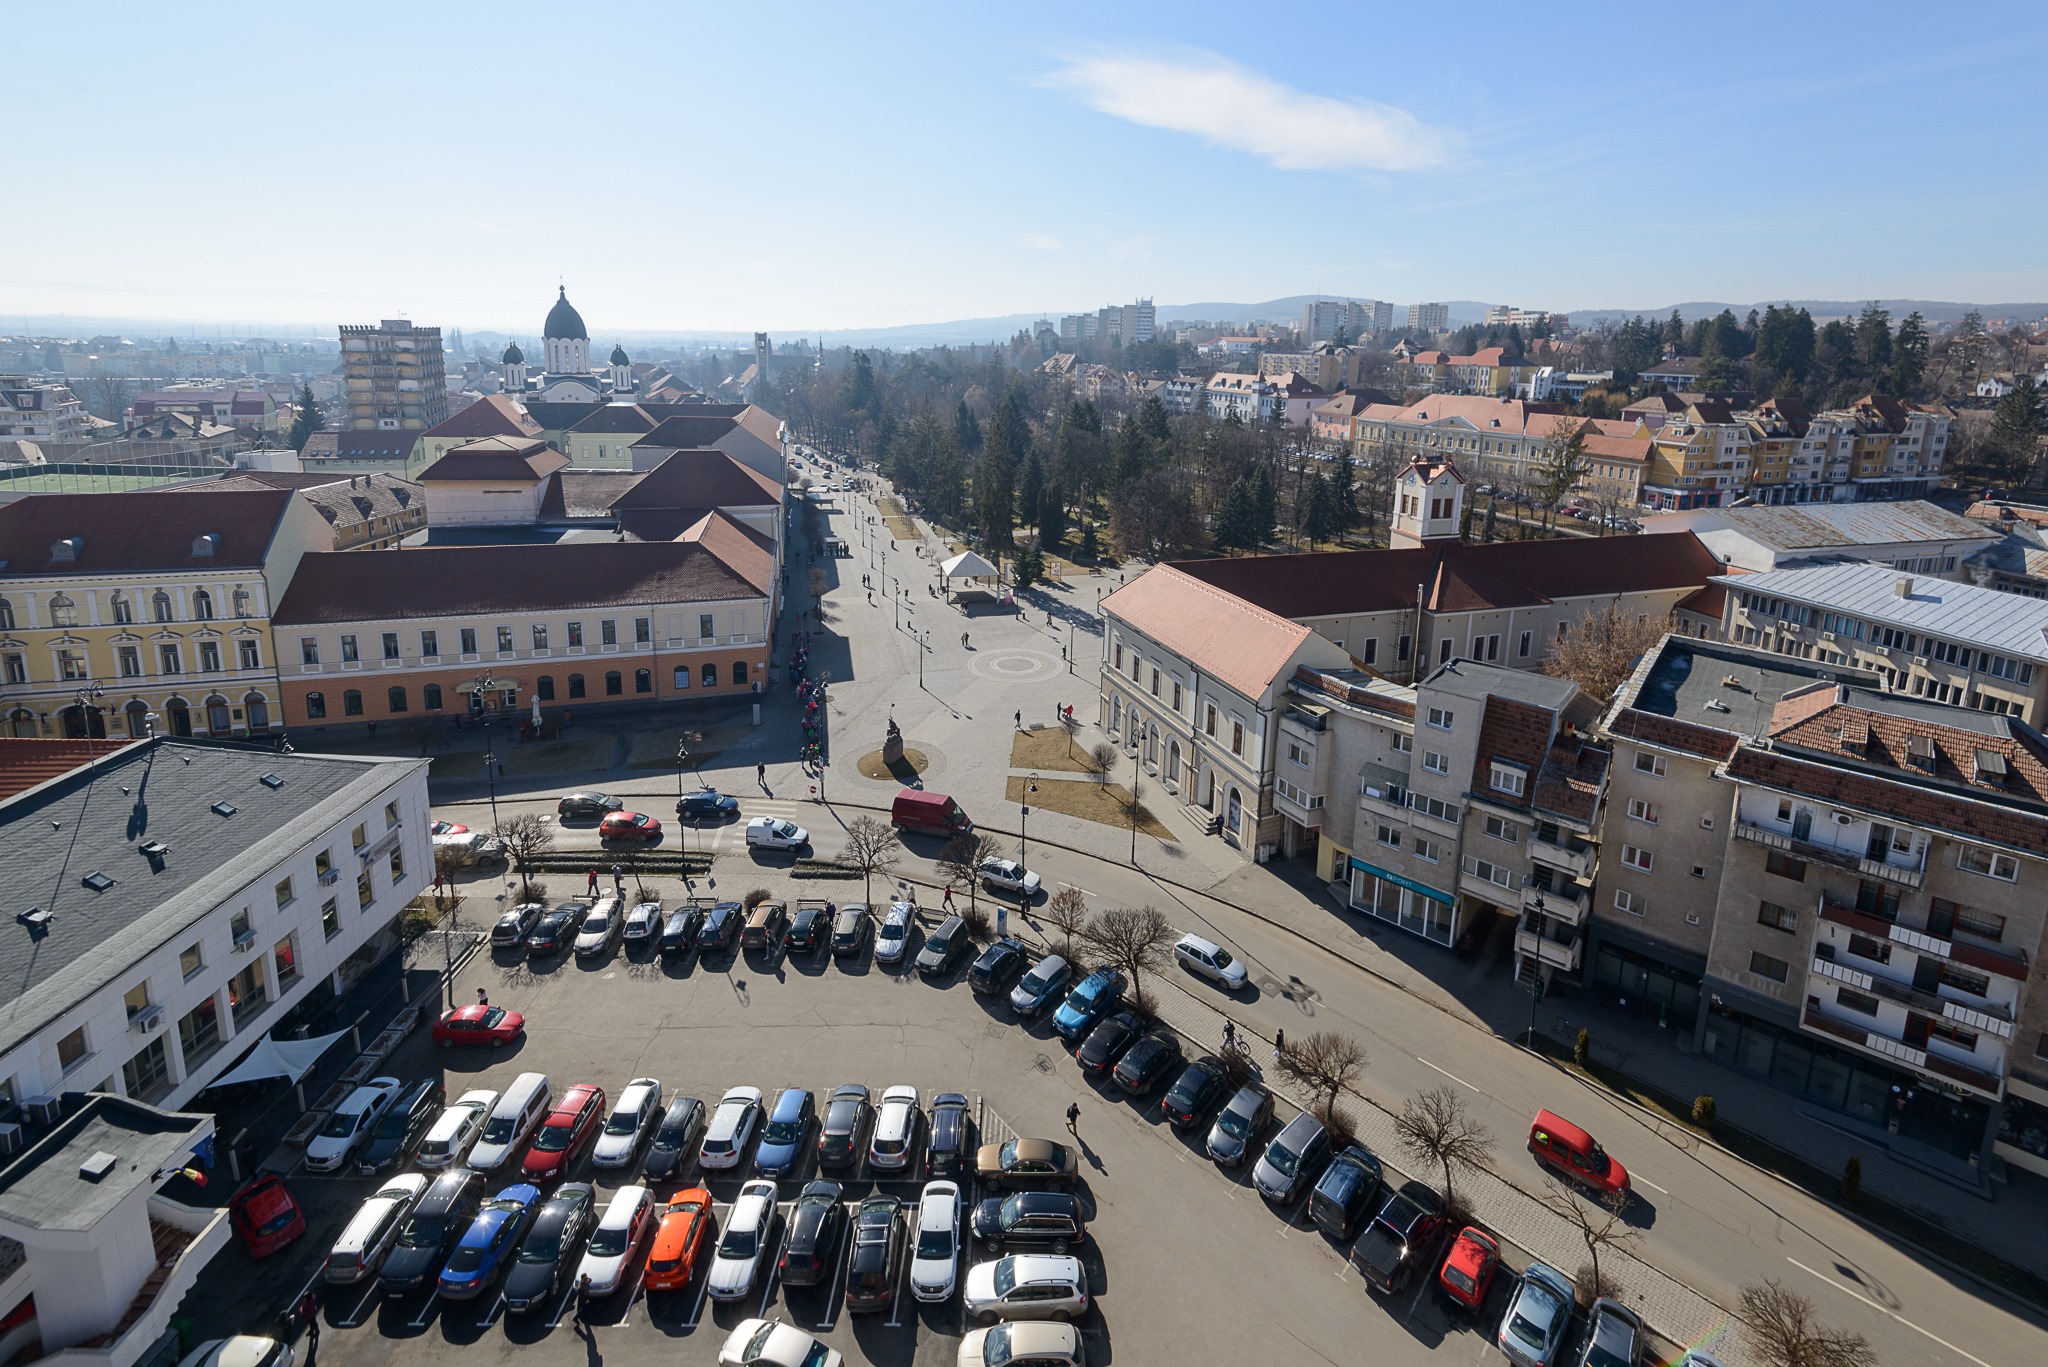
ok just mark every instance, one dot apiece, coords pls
pixel 492 1025
pixel 629 826
pixel 1468 1268
pixel 449 828
pixel 570 1130
pixel 266 1216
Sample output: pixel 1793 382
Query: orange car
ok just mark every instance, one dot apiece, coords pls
pixel 678 1240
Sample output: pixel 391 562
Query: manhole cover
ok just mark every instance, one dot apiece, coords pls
pixel 1043 1063
pixel 995 1030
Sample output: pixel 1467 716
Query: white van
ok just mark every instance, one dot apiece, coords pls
pixel 518 1113
pixel 360 1250
pixel 467 848
pixel 449 1139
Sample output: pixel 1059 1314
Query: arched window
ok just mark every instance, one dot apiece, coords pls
pixel 739 672
pixel 316 705
pixel 160 607
pixel 258 708
pixel 6 615
pixel 643 681
pixel 682 677
pixel 613 683
pixel 22 722
pixel 138 718
pixel 217 715
pixel 352 703
pixel 242 601
pixel 394 700
pixel 430 697
pixel 124 608
pixel 544 688
pixel 575 685
pixel 63 612
pixel 711 676
pixel 202 606
pixel 179 716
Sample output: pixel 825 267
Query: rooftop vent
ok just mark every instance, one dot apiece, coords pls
pixel 224 809
pixel 1903 586
pixel 1715 705
pixel 67 549
pixel 36 919
pixel 271 781
pixel 206 543
pixel 97 881
pixel 98 1167
pixel 1730 681
pixel 156 852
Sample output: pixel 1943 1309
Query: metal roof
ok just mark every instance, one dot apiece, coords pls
pixel 2007 623
pixel 1814 526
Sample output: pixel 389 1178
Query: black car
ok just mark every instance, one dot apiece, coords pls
pixel 682 1125
pixel 1107 1041
pixel 721 928
pixel 1201 1085
pixel 551 1248
pixel 842 1134
pixel 807 930
pixel 1030 1219
pixel 1001 964
pixel 1146 1064
pixel 875 1262
pixel 706 804
pixel 554 932
pixel 514 926
pixel 679 931
pixel 403 1124
pixel 1401 1238
pixel 444 1211
pixel 1343 1196
pixel 588 804
pixel 945 1152
pixel 850 931
pixel 816 1224
pixel 943 947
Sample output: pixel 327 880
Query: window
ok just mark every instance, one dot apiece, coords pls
pixel 575 685
pixel 1237 738
pixel 1486 648
pixel 209 657
pixel 160 607
pixel 71 664
pixel 1433 807
pixel 1864 947
pixel 710 675
pixel 467 639
pixel 1401 648
pixel 1965 1040
pixel 1440 718
pixel 309 650
pixel 1982 924
pixel 190 960
pixel 167 660
pixel 540 635
pixel 241 601
pixel 1647 763
pixel 1209 722
pixel 365 894
pixel 1634 903
pixel 1388 836
pixel 1443 652
pixel 202 605
pixel 430 644
pixel 1856 1001
pixel 1977 859
pixel 323 866
pixel 390 643
pixel 544 688
pixel 1637 858
pixel 316 705
pixel 352 703
pixel 1404 744
pixel 1369 649
pixel 1435 762
pixel 1155 682
pixel 284 894
pixel 1962 979
pixel 1500 828
pixel 608 632
pixel 643 630
pixel 358 837
pixel 1784 865
pixel 1764 966
pixel 707 627
pixel 397 863
pixel 1429 850
pixel 1639 810
pixel 330 918
pixel 249 654
pixel 17 669
pixel 394 700
pixel 1508 779
pixel 504 640
pixel 7 613
pixel 348 649
pixel 1117 662
pixel 1522 648
pixel 575 634
pixel 71 1049
pixel 682 678
pixel 430 697
pixel 1777 917
pixel 1489 872
pixel 643 679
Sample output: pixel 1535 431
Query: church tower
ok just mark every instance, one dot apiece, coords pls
pixel 514 361
pixel 565 339
pixel 1429 504
pixel 622 371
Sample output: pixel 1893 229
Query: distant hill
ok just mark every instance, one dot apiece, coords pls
pixel 1933 310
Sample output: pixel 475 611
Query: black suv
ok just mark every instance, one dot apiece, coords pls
pixel 443 1213
pixel 1001 964
pixel 721 928
pixel 1030 1219
pixel 875 1264
pixel 1401 1238
pixel 403 1124
pixel 816 1226
pixel 682 1125
pixel 550 1248
pixel 841 1134
pixel 945 1152
pixel 808 930
pixel 679 931
pixel 1343 1195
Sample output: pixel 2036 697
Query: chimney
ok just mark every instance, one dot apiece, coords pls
pixel 1903 588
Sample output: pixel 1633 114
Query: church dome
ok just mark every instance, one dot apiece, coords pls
pixel 619 355
pixel 513 355
pixel 564 321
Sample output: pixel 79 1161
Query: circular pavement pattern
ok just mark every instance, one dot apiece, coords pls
pixel 1016 666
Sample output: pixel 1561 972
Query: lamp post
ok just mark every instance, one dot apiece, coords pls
pixel 1135 754
pixel 682 759
pixel 1024 820
pixel 1536 978
pixel 89 695
pixel 480 687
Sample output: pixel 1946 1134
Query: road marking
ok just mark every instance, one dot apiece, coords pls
pixel 426 1310
pixel 775 1264
pixel 902 1295
pixel 491 1316
pixel 1447 1073
pixel 704 1282
pixel 1638 1177
pixel 1421 1285
pixel 1858 1295
pixel 839 1266
pixel 561 1305
pixel 356 1316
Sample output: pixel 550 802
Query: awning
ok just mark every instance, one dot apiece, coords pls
pixel 966 565
pixel 288 1059
pixel 1408 883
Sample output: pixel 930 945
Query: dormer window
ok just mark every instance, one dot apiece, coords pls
pixel 206 543
pixel 67 549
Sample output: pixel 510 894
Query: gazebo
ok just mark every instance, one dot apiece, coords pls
pixel 968 565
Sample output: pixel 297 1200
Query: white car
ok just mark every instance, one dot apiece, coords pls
pixel 771 1343
pixel 1027 1286
pixel 892 936
pixel 614 1240
pixel 770 833
pixel 746 1236
pixel 732 1125
pixel 454 1132
pixel 643 923
pixel 895 1129
pixel 935 1258
pixel 1209 960
pixel 373 1229
pixel 600 927
pixel 638 1107
pixel 349 1124
pixel 1008 875
pixel 1035 1342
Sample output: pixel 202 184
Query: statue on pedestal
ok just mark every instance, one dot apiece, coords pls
pixel 892 747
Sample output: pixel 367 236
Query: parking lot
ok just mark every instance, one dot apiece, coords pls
pixel 1186 1262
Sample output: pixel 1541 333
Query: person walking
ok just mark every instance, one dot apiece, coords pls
pixel 592 889
pixel 1020 719
pixel 483 998
pixel 761 774
pixel 1279 1044
pixel 582 1300
pixel 948 902
pixel 308 1311
pixel 1074 1119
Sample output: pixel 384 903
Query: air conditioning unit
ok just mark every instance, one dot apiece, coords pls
pixel 1920 660
pixel 147 1019
pixel 1827 635
pixel 1844 819
pixel 246 940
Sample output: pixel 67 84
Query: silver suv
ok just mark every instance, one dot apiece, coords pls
pixel 1027 1286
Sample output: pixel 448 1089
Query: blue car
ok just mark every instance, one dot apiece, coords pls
pixel 1090 1000
pixel 706 804
pixel 783 1138
pixel 486 1247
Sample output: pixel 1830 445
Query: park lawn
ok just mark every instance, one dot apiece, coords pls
pixel 1047 747
pixel 1103 803
pixel 900 525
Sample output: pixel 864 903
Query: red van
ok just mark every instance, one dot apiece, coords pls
pixel 1571 1153
pixel 928 814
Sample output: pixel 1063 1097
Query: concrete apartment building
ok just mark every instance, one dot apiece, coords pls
pixel 1872 450
pixel 1326 364
pixel 1832 886
pixel 1346 320
pixel 36 410
pixel 393 376
pixel 1429 318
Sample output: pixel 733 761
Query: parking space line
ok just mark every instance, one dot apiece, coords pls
pixel 426 1310
pixel 561 1305
pixel 1447 1073
pixel 356 1316
pixel 704 1282
pixel 839 1266
pixel 775 1263
pixel 902 1294
pixel 1421 1285
pixel 1850 1291
pixel 491 1316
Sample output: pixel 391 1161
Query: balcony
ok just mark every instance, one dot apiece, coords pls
pixel 1568 852
pixel 1898 1051
pixel 1563 902
pixel 1486 890
pixel 1909 875
pixel 1540 938
pixel 1298 804
pixel 2005 963
pixel 1989 1019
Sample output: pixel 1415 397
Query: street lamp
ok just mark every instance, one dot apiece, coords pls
pixel 683 831
pixel 491 778
pixel 1134 802
pixel 1535 978
pixel 89 695
pixel 480 687
pixel 1024 820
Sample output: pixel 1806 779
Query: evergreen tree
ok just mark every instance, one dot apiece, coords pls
pixel 1909 356
pixel 1320 521
pixel 1834 362
pixel 1129 455
pixel 1873 345
pixel 1344 491
pixel 861 393
pixel 1152 419
pixel 1265 505
pixel 1030 566
pixel 1235 521
pixel 966 431
pixel 309 419
pixel 1052 518
pixel 1674 329
pixel 1003 447
pixel 2015 441
pixel 1031 486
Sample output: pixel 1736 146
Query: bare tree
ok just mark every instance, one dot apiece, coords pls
pixel 961 861
pixel 446 864
pixel 1783 1332
pixel 1067 912
pixel 1435 1128
pixel 1102 755
pixel 106 395
pixel 1326 1063
pixel 1600 1224
pixel 1069 725
pixel 1133 939
pixel 527 836
pixel 872 847
pixel 1599 650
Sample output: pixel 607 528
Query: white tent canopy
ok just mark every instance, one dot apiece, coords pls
pixel 966 565
pixel 288 1059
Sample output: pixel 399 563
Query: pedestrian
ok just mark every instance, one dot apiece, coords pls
pixel 948 904
pixel 592 889
pixel 1279 1044
pixel 308 1310
pixel 483 998
pixel 438 880
pixel 1229 1033
pixel 831 911
pixel 761 774
pixel 1074 1118
pixel 582 1299
pixel 1020 719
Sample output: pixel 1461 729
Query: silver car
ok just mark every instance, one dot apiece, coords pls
pixel 1532 1330
pixel 1238 1124
pixel 1614 1336
pixel 1027 1286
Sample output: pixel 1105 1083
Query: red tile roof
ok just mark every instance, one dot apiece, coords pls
pixel 1240 644
pixel 1571 779
pixel 1956 814
pixel 699 479
pixel 1518 733
pixel 1652 728
pixel 139 531
pixel 26 762
pixel 522 459
pixel 495 415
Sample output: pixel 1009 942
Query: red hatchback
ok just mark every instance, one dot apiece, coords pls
pixel 570 1130
pixel 266 1216
pixel 632 826
pixel 492 1025
pixel 1468 1268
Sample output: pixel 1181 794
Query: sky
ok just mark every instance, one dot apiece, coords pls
pixel 802 167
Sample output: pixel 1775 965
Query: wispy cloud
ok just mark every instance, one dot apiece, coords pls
pixel 1041 242
pixel 1231 106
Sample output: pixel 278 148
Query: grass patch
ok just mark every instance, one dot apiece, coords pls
pixel 1104 803
pixel 578 754
pixel 822 868
pixel 900 525
pixel 1047 747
